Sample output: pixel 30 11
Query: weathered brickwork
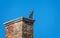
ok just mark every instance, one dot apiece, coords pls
pixel 14 30
pixel 19 28
pixel 27 31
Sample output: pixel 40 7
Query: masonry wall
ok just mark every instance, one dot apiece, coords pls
pixel 27 30
pixel 13 30
pixel 18 30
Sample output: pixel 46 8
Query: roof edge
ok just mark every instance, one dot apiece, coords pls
pixel 17 20
pixel 13 20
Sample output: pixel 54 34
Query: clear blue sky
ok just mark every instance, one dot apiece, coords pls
pixel 46 14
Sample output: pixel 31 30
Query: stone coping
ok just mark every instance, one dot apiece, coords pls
pixel 19 19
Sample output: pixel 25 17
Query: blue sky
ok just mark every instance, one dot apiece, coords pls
pixel 46 15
